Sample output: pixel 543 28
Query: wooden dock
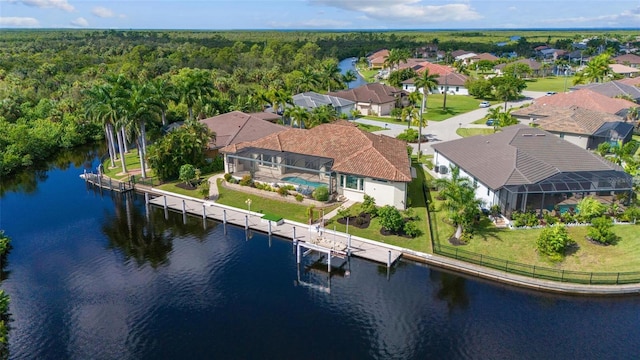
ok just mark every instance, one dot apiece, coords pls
pixel 107 183
pixel 334 243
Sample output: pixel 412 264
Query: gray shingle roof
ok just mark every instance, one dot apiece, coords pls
pixel 613 89
pixel 519 155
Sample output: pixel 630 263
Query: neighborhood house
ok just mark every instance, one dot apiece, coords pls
pixel 348 161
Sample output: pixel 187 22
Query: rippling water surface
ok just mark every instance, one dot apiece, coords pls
pixel 100 276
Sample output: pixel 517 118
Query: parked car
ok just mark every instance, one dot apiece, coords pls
pixel 484 104
pixel 549 93
pixel 490 122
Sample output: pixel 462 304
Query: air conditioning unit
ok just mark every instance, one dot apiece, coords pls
pixel 443 169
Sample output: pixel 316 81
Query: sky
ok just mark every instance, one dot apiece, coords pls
pixel 319 14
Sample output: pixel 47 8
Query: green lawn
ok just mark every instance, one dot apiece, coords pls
pixel 369 128
pixel 637 138
pixel 287 210
pixel 519 246
pixel 132 162
pixel 368 74
pixel 550 83
pixel 467 132
pixel 416 200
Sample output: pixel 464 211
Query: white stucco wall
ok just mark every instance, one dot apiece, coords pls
pixel 384 193
pixel 486 195
pixel 581 141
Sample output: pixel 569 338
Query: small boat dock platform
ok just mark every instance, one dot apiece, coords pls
pixel 107 183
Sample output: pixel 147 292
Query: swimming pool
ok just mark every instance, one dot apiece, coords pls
pixel 301 181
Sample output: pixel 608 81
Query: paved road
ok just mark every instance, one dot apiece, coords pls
pixel 438 131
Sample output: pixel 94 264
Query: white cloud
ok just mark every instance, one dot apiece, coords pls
pixel 102 12
pixel 512 8
pixel 80 22
pixel 629 17
pixel 411 11
pixel 313 23
pixel 19 21
pixel 47 4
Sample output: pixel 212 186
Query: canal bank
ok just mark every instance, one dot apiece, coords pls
pixel 370 249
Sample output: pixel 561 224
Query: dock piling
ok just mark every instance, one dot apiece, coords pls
pixel 224 216
pixel 204 211
pixel 184 206
pixel 164 199
pixel 389 260
pixel 246 222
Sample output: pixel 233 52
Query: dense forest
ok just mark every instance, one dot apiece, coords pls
pixel 52 81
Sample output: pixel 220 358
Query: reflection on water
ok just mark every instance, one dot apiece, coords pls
pixel 96 275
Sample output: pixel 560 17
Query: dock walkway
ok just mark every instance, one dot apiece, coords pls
pixel 323 237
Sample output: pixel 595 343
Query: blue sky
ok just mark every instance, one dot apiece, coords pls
pixel 318 14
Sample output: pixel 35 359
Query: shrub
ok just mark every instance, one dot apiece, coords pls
pixel 604 148
pixel 631 214
pixel 553 241
pixel 321 193
pixel 204 189
pixel 390 218
pixel 283 191
pixel 549 219
pixel 589 208
pixel 601 230
pixel 187 173
pixel 299 197
pixel 567 217
pixel 5 243
pixel 521 219
pixel 409 135
pixel 228 177
pixel 343 212
pixel 246 180
pixel 411 228
pixel 369 205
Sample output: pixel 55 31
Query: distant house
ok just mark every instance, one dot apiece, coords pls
pixel 427 51
pixel 630 81
pixel 613 89
pixel 535 66
pixel 583 98
pixel 582 127
pixel 523 168
pixel 311 100
pixel 348 161
pixel 235 127
pixel 632 60
pixel 466 58
pixel 268 116
pixel 377 59
pixel 372 99
pixel 484 56
pixel 623 70
pixel 453 83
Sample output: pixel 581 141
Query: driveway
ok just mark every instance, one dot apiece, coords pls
pixel 438 131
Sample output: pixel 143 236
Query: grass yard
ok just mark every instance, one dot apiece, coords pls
pixel 520 246
pixel 368 74
pixel 287 210
pixel 637 138
pixel 550 83
pixel 416 200
pixel 467 132
pixel 369 128
pixel 132 162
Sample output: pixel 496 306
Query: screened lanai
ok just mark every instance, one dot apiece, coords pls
pixel 563 191
pixel 305 172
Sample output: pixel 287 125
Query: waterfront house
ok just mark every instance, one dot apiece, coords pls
pixel 377 59
pixel 523 168
pixel 373 99
pixel 348 161
pixel 235 127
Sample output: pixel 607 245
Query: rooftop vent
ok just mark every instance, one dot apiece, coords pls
pixel 540 134
pixel 527 134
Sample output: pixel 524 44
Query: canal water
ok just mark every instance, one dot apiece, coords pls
pixel 349 64
pixel 95 275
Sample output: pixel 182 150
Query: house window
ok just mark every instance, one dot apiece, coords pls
pixel 488 191
pixel 475 182
pixel 561 135
pixel 352 182
pixel 457 88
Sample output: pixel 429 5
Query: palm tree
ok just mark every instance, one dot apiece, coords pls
pixel 308 79
pixel 426 82
pixel 348 77
pixel 330 73
pixel 300 114
pixel 164 92
pixel 460 201
pixel 97 104
pixel 505 92
pixel 409 113
pixel 501 118
pixel 597 70
pixel 142 107
pixel 193 85
pixel 632 114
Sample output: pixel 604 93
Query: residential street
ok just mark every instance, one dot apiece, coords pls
pixel 438 131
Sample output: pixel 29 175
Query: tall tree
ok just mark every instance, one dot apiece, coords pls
pixel 330 74
pixel 460 201
pixel 348 77
pixel 426 82
pixel 597 70
pixel 192 86
pixel 164 92
pixel 507 88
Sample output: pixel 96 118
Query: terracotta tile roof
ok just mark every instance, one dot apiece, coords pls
pixel 583 98
pixel 354 151
pixel 634 81
pixel 236 126
pixel 435 69
pixel 412 63
pixel 485 56
pixel 453 79
pixel 627 58
pixel 520 155
pixel 375 93
pixel 380 53
pixel 575 120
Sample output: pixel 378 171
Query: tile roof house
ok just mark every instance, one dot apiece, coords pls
pixel 632 60
pixel 635 81
pixel 311 100
pixel 624 70
pixel 372 99
pixel 454 83
pixel 377 59
pixel 534 65
pixel 484 56
pixel 584 98
pixel 236 126
pixel 524 168
pixel 268 116
pixel 349 161
pixel 582 127
pixel 613 89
